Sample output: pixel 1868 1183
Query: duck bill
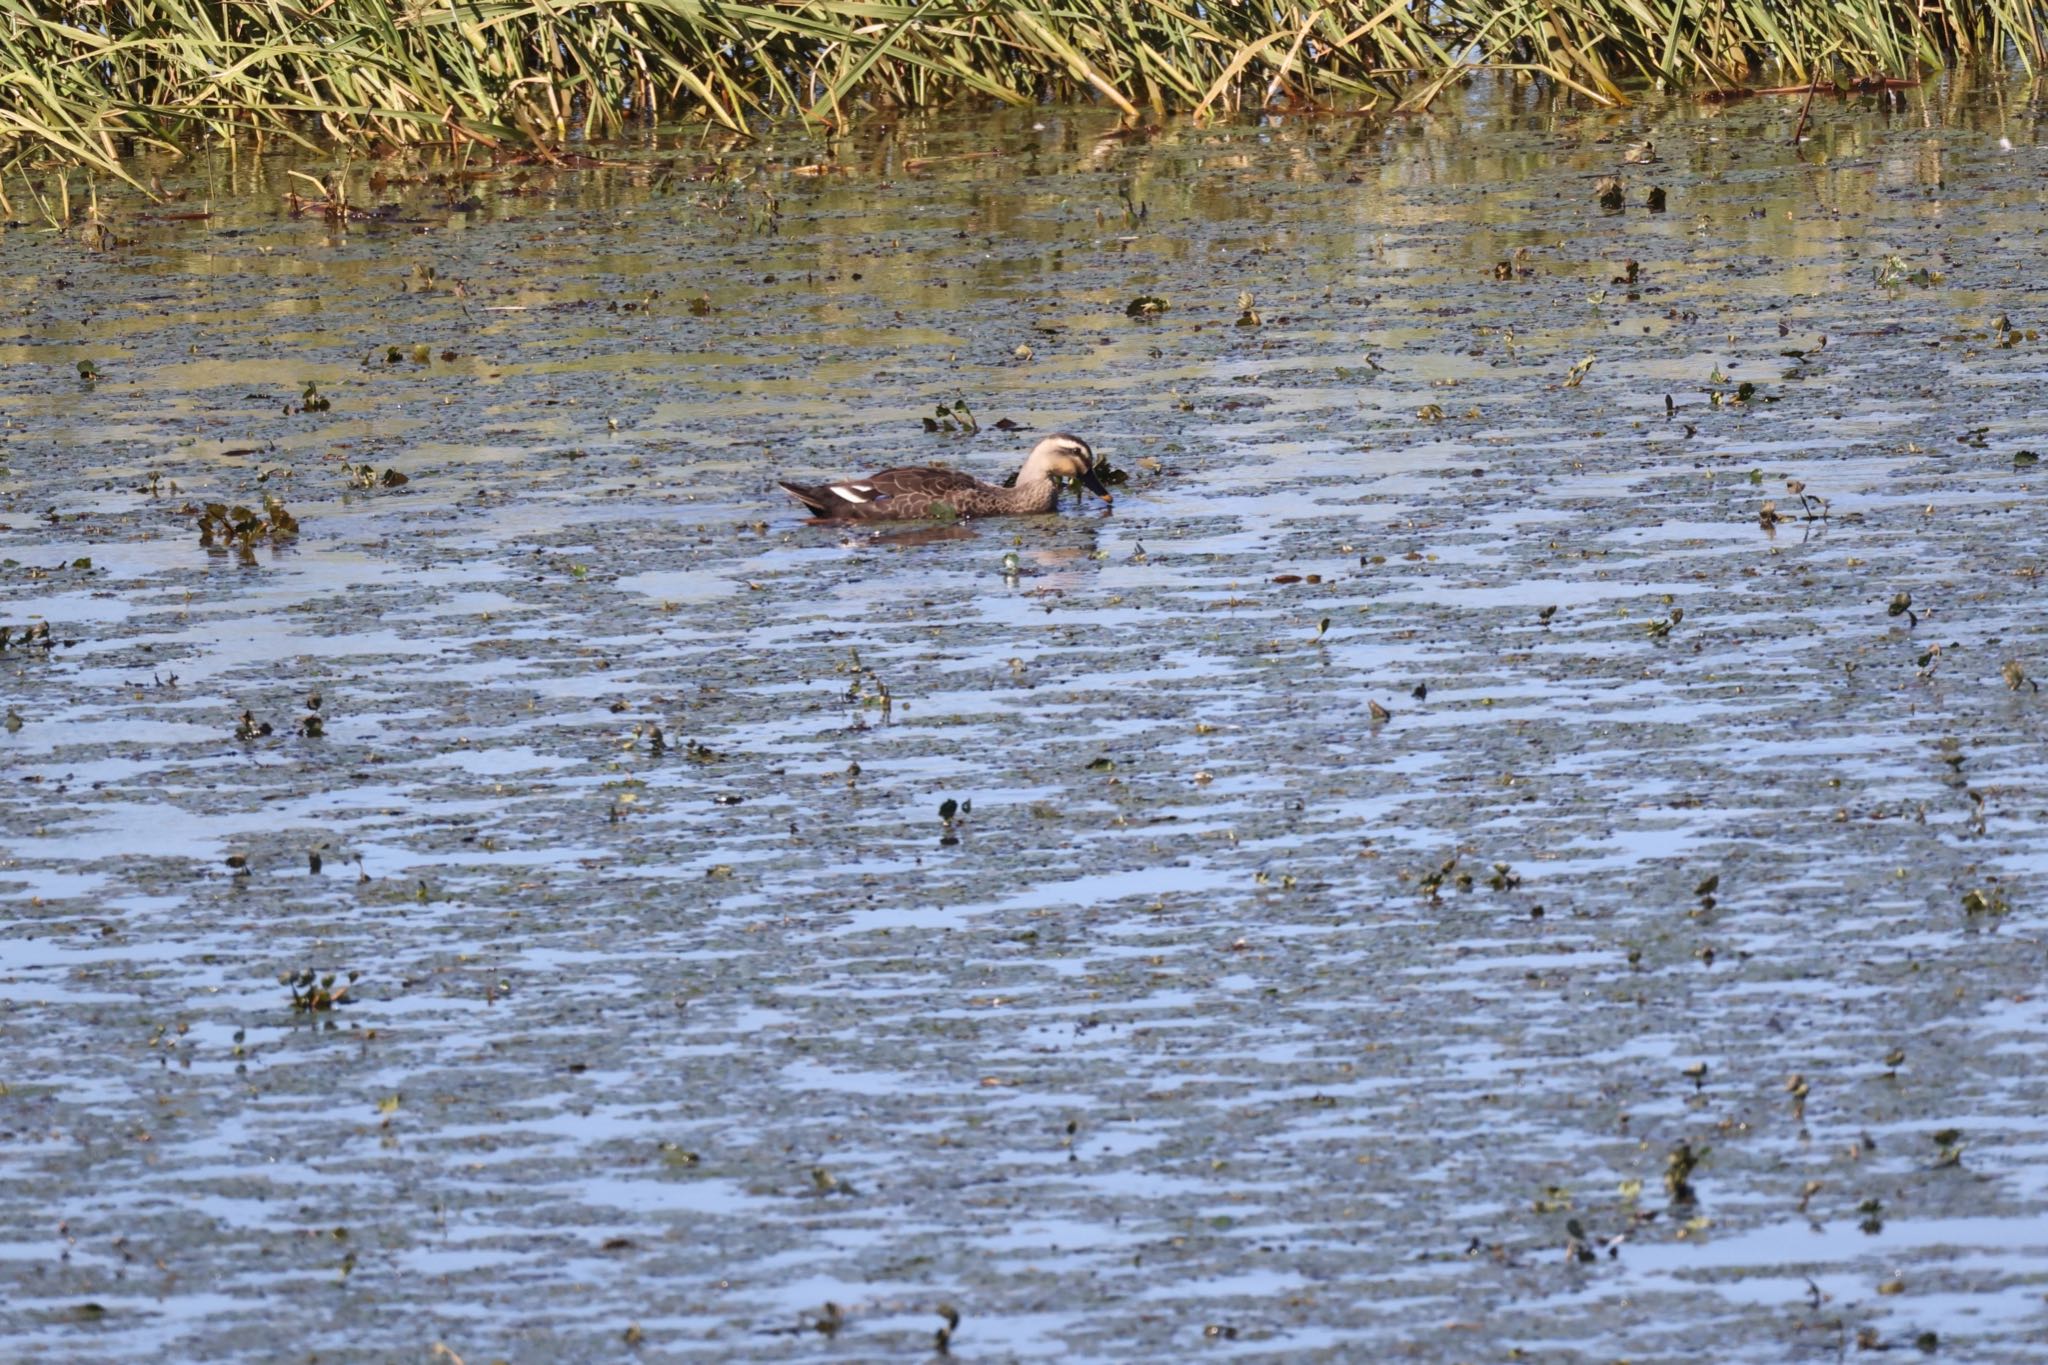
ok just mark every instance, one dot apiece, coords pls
pixel 1095 486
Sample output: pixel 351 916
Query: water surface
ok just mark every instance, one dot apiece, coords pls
pixel 1236 1017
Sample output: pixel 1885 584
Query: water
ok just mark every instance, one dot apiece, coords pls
pixel 1234 1017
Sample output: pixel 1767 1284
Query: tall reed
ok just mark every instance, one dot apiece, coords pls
pixel 84 81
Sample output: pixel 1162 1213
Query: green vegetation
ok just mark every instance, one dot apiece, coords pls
pixel 87 80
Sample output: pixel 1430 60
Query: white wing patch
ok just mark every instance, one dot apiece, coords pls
pixel 855 492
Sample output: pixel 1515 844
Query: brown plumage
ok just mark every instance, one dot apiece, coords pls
pixel 920 492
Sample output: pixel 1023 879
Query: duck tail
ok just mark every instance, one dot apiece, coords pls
pixel 819 500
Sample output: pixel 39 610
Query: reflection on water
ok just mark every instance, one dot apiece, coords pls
pixel 1429 795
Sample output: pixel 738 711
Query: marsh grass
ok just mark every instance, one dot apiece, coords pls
pixel 87 81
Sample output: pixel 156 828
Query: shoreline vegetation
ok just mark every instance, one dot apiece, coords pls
pixel 88 82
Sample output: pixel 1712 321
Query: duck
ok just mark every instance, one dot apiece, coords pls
pixel 922 492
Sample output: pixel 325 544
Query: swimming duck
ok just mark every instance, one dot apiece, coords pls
pixel 921 492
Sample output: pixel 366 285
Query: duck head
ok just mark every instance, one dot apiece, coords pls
pixel 1063 457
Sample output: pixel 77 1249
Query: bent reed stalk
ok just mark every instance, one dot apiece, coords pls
pixel 84 81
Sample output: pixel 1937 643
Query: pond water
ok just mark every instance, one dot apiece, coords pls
pixel 1439 870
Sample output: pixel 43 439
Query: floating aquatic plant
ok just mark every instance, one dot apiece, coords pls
pixel 1985 900
pixel 241 529
pixel 316 994
pixel 954 418
pixel 365 476
pixel 1678 1169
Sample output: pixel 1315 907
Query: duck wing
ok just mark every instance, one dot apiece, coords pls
pixel 910 491
pixel 919 481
